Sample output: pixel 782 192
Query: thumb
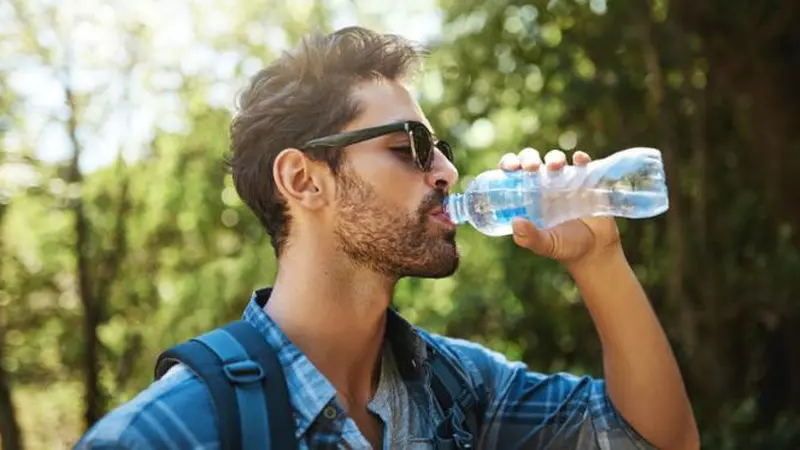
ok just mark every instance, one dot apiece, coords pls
pixel 527 235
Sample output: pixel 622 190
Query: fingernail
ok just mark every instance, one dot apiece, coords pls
pixel 519 228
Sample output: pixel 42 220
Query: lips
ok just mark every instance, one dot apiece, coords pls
pixel 439 215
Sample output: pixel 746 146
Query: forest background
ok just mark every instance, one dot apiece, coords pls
pixel 121 234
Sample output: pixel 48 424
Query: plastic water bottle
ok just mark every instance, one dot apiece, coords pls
pixel 630 183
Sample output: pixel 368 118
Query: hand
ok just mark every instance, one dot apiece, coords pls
pixel 571 243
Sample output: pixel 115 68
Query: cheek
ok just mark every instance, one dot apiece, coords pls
pixel 404 194
pixel 395 183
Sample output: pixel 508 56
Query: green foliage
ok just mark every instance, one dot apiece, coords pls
pixel 504 74
pixel 601 78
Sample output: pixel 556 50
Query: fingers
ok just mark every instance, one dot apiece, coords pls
pixel 581 158
pixel 555 160
pixel 529 159
pixel 534 239
pixel 509 161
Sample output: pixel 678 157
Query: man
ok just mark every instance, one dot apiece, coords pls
pixel 335 157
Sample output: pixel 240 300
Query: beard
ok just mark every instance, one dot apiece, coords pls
pixel 388 240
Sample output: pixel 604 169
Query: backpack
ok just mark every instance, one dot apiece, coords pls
pixel 243 374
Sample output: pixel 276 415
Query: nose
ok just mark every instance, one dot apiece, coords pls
pixel 443 174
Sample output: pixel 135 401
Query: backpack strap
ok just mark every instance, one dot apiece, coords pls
pixel 245 379
pixel 461 403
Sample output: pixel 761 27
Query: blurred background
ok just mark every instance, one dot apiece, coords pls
pixel 121 234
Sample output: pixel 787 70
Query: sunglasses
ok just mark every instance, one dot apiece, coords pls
pixel 420 138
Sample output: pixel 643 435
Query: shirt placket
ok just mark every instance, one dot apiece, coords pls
pixel 328 430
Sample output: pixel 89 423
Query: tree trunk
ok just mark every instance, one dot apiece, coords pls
pixel 9 426
pixel 664 122
pixel 91 312
pixel 10 433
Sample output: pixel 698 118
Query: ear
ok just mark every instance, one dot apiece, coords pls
pixel 301 180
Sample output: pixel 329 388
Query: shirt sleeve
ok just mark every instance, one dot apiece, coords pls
pixel 174 412
pixel 530 410
pixel 101 437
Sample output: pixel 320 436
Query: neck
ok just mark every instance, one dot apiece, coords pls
pixel 335 313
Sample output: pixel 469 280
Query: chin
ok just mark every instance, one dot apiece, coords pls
pixel 445 272
pixel 443 264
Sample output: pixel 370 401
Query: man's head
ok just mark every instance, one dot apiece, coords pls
pixel 370 197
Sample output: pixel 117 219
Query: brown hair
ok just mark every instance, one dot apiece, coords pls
pixel 304 94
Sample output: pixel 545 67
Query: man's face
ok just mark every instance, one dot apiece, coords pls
pixel 385 204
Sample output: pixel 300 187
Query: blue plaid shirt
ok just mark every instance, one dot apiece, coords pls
pixel 525 409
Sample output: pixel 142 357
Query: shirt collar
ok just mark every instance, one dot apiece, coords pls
pixel 309 390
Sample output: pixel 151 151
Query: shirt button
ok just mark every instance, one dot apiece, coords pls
pixel 329 412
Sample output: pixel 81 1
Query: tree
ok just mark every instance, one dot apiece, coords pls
pixel 135 235
pixel 114 241
pixel 9 423
pixel 671 75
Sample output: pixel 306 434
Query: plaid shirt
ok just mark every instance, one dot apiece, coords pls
pixel 525 409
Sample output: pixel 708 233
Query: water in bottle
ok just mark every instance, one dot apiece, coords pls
pixel 630 183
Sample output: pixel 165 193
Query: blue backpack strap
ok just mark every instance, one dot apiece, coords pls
pixel 245 380
pixel 462 404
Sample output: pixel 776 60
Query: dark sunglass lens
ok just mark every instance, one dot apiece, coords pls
pixel 421 139
pixel 446 150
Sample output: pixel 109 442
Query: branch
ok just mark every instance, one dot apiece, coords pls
pixel 114 257
pixel 22 15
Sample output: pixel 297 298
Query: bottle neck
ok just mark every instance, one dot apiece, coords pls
pixel 454 207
